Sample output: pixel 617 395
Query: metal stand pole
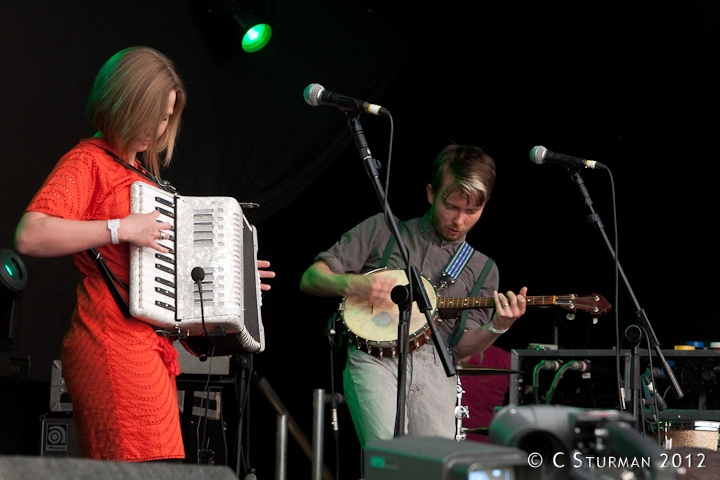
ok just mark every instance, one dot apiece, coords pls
pixel 291 427
pixel 281 435
pixel 318 433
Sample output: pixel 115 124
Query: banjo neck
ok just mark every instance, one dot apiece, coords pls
pixel 594 304
pixel 462 303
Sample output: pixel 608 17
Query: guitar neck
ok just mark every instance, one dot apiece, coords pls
pixel 461 303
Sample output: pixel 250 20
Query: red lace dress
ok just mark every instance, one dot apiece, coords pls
pixel 120 374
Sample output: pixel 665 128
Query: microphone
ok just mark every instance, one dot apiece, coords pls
pixel 335 399
pixel 540 155
pixel 315 94
pixel 334 420
pixel 197 274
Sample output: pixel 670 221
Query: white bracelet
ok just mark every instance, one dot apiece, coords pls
pixel 113 226
pixel 491 328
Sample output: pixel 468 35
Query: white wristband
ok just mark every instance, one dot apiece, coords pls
pixel 491 328
pixel 113 226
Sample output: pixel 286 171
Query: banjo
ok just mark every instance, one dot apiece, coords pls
pixel 374 328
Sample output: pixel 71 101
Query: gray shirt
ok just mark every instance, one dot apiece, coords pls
pixel 361 249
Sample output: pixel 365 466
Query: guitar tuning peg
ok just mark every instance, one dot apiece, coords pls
pixel 570 316
pixel 594 320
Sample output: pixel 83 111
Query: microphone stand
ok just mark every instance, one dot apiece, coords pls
pixel 639 311
pixel 634 335
pixel 402 296
pixel 415 291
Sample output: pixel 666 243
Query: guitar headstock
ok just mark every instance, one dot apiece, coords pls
pixel 593 304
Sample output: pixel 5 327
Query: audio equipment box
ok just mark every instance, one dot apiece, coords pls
pixel 589 378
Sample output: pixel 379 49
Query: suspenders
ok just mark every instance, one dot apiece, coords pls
pixel 457 263
pixel 460 326
pixel 389 247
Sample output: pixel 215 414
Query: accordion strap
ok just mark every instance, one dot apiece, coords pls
pixel 111 280
pixel 159 182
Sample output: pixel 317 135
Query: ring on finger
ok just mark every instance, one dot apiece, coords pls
pixel 162 235
pixel 505 304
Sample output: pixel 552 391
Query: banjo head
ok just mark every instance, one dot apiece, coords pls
pixel 377 325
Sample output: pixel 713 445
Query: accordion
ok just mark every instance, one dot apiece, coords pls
pixel 218 314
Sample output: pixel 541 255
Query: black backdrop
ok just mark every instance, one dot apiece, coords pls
pixel 632 86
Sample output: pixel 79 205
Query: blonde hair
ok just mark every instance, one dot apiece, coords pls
pixel 129 98
pixel 472 171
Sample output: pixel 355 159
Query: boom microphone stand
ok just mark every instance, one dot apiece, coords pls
pixel 415 291
pixel 639 311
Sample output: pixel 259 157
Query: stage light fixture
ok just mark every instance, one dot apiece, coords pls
pixel 254 31
pixel 574 443
pixel 433 458
pixel 13 279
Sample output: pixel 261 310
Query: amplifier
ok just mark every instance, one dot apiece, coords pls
pixel 595 384
pixel 58 437
pixel 192 365
pixel 596 388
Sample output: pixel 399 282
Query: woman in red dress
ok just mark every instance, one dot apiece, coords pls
pixel 120 374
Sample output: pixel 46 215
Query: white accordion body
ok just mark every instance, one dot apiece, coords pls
pixel 207 232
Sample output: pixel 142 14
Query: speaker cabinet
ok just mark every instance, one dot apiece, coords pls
pixel 58 437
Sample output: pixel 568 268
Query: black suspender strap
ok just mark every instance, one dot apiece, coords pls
pixel 460 328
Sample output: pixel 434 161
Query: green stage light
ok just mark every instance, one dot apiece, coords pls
pixel 249 26
pixel 13 279
pixel 14 276
pixel 255 32
pixel 256 37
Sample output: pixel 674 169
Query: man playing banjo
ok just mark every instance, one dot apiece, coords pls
pixel 462 182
